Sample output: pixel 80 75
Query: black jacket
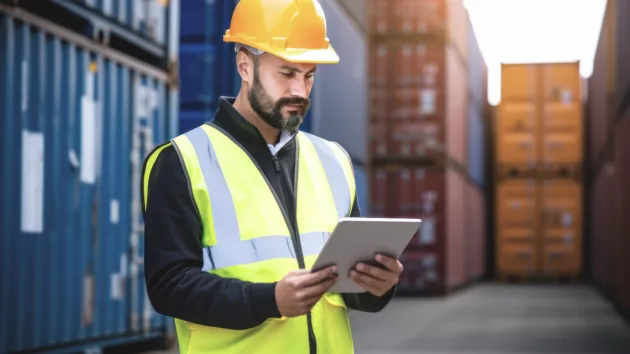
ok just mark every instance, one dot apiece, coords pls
pixel 176 285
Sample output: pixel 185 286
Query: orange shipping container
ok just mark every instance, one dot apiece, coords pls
pixel 539 227
pixel 539 119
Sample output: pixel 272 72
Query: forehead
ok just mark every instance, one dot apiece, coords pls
pixel 272 61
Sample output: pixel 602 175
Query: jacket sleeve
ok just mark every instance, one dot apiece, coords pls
pixel 366 302
pixel 176 285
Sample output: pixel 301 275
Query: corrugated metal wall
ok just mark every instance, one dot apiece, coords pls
pixel 77 123
pixel 340 99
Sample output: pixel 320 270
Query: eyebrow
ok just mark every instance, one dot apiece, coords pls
pixel 296 69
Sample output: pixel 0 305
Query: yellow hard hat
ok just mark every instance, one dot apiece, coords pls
pixel 294 30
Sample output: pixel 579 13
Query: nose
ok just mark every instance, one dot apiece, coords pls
pixel 299 87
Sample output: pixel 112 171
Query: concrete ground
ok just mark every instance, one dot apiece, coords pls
pixel 496 319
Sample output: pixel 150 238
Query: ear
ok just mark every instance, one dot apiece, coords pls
pixel 245 66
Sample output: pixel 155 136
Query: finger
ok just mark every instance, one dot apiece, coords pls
pixel 391 263
pixel 374 271
pixel 299 272
pixel 368 279
pixel 368 287
pixel 316 277
pixel 316 291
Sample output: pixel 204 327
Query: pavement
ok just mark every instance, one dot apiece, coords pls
pixel 495 319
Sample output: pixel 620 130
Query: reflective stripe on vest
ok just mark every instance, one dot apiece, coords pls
pixel 230 249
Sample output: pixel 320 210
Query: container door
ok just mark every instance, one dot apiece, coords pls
pixel 517 117
pixel 561 125
pixel 148 129
pixel 561 210
pixel 516 228
pixel 112 204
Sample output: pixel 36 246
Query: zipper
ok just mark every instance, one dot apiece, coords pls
pixel 309 320
pixel 276 163
pixel 297 247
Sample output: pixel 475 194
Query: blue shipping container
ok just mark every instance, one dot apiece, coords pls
pixel 476 103
pixel 148 18
pixel 207 65
pixel 363 189
pixel 144 29
pixel 76 125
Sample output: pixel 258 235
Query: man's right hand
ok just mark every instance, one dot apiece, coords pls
pixel 299 290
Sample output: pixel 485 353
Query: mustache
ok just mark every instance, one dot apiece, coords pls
pixel 305 102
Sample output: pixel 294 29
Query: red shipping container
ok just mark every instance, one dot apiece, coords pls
pixel 610 194
pixel 475 232
pixel 380 63
pixel 602 227
pixel 429 87
pixel 415 138
pixel 455 230
pixel 598 127
pixel 424 200
pixel 621 280
pixel 421 273
pixel 379 191
pixel 379 18
pixel 379 144
pixel 417 17
pixel 417 64
pixel 452 229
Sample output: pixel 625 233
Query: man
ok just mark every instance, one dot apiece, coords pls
pixel 236 211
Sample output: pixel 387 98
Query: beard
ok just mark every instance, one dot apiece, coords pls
pixel 271 112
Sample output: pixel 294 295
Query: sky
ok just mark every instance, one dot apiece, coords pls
pixel 535 31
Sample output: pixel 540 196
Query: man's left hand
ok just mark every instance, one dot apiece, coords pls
pixel 374 279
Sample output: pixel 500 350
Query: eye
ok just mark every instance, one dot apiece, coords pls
pixel 288 74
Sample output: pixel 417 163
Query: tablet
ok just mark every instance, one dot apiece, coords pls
pixel 357 240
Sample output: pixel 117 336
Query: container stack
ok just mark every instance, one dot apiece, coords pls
pixel 539 143
pixel 207 63
pixel 426 140
pixel 88 89
pixel 608 129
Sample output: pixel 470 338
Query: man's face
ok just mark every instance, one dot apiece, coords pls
pixel 280 90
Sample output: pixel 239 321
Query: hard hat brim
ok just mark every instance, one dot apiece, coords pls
pixel 311 56
pixel 293 55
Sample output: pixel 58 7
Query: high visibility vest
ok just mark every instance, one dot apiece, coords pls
pixel 246 235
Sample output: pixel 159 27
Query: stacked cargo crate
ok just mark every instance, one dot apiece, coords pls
pixel 88 90
pixel 539 146
pixel 426 74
